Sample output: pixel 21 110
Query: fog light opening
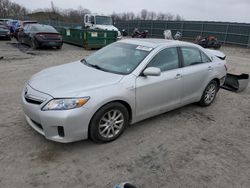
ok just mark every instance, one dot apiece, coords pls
pixel 60 130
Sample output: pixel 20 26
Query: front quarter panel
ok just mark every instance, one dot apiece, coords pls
pixel 121 91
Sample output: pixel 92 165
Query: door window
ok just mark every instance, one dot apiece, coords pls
pixel 205 58
pixel 166 59
pixel 191 56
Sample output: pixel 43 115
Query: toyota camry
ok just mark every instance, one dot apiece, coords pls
pixel 125 82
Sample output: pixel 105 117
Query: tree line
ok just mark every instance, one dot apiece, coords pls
pixel 145 15
pixel 9 9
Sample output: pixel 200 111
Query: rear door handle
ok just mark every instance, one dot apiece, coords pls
pixel 178 76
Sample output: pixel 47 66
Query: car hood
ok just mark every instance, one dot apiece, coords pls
pixel 71 80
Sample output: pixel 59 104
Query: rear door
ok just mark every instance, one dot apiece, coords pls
pixel 156 94
pixel 196 69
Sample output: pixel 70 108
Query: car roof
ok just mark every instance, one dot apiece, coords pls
pixel 154 43
pixel 27 21
pixel 37 24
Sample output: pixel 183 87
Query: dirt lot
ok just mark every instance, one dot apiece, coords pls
pixel 188 147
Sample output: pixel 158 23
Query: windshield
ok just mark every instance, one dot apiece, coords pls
pixel 119 58
pixel 103 20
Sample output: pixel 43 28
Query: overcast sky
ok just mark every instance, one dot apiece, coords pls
pixel 211 10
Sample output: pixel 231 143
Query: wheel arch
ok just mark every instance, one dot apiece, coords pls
pixel 218 82
pixel 124 103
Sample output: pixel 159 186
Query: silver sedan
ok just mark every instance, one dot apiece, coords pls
pixel 121 84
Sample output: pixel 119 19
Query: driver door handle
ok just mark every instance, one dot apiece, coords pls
pixel 178 76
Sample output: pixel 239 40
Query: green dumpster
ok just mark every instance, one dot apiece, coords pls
pixel 89 39
pixel 98 38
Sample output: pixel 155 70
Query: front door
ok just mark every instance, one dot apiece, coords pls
pixel 157 94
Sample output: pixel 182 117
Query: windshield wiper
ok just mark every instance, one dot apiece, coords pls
pixel 95 66
pixel 91 65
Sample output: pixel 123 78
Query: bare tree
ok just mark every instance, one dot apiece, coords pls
pixel 152 15
pixel 144 14
pixel 178 17
pixel 12 10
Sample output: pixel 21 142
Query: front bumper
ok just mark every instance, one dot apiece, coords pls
pixel 4 35
pixel 60 125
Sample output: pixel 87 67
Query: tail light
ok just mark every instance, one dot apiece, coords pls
pixel 40 35
pixel 49 35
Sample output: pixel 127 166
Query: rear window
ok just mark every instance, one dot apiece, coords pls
pixel 44 28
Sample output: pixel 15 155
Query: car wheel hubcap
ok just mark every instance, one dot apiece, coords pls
pixel 210 93
pixel 111 124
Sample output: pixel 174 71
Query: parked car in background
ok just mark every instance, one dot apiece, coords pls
pixel 11 25
pixel 20 25
pixel 4 21
pixel 121 84
pixel 4 32
pixel 38 35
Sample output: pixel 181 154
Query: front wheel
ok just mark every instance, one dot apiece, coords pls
pixel 109 122
pixel 209 93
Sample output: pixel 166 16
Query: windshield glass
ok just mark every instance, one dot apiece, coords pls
pixel 44 28
pixel 119 58
pixel 104 20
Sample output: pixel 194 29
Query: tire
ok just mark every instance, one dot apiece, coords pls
pixel 209 93
pixel 108 123
pixel 33 44
pixel 59 47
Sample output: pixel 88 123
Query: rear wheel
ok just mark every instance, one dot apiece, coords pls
pixel 109 122
pixel 34 45
pixel 209 93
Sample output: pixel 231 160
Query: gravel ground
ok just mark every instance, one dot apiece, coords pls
pixel 188 147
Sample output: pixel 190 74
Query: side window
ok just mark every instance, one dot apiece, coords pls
pixel 92 20
pixel 166 59
pixel 205 58
pixel 191 56
pixel 26 28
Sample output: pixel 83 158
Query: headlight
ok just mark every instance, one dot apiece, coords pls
pixel 65 104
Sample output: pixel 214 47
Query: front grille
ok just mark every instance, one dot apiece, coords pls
pixel 37 124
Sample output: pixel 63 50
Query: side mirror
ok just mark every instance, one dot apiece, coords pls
pixel 152 71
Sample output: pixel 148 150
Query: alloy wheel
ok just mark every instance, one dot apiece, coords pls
pixel 210 93
pixel 111 123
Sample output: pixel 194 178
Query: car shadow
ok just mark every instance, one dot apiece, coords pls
pixel 28 50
